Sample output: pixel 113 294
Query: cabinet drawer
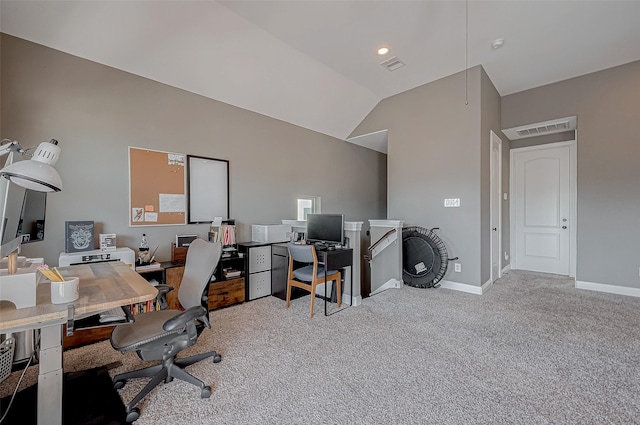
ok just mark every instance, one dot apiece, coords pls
pixel 280 249
pixel 259 259
pixel 259 285
pixel 225 293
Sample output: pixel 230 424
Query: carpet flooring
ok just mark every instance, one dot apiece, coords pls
pixel 533 350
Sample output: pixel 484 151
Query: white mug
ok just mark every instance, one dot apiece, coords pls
pixel 65 292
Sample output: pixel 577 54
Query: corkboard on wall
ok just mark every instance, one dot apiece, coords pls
pixel 157 188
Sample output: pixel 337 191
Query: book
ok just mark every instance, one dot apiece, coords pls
pixel 153 266
pixel 232 273
pixel 78 236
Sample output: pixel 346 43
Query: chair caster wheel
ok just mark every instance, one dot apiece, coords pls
pixel 206 392
pixel 133 415
pixel 217 358
pixel 118 384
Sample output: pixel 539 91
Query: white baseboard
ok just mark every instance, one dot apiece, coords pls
pixel 478 290
pixel 506 269
pixel 390 284
pixel 346 299
pixel 357 300
pixel 487 285
pixel 612 289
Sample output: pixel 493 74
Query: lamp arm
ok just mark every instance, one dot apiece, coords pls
pixel 9 249
pixel 12 146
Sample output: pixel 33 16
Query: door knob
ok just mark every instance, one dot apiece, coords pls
pixel 564 227
pixel 494 229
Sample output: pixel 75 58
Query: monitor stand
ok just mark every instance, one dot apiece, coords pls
pixel 324 246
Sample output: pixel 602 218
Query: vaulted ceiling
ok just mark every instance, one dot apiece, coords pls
pixel 314 63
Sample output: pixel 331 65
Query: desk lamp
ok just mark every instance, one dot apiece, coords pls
pixel 36 174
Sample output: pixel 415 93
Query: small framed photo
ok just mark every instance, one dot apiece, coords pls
pixel 107 241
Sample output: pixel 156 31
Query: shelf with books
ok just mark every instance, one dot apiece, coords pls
pixel 225 232
pixel 139 308
pixel 148 267
pixel 231 273
pixel 230 268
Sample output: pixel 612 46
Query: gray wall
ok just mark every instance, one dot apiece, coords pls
pixel 1 132
pixel 490 121
pixel 607 106
pixel 435 146
pixel 96 112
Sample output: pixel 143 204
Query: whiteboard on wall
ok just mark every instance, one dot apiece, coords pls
pixel 208 185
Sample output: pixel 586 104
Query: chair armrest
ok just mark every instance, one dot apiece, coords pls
pixel 164 289
pixel 161 298
pixel 185 317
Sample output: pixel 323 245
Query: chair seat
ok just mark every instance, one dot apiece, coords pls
pixel 147 327
pixel 306 273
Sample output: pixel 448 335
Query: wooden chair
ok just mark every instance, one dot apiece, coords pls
pixel 310 275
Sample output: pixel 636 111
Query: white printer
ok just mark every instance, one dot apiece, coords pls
pixel 270 233
pixel 126 255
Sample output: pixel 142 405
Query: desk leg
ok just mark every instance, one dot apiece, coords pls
pixel 325 289
pixel 50 376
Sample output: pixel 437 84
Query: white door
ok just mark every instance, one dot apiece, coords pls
pixel 542 201
pixel 496 216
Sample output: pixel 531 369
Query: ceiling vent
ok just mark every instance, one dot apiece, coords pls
pixel 541 129
pixel 392 63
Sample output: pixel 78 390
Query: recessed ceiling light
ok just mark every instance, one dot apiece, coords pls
pixel 497 43
pixel 383 50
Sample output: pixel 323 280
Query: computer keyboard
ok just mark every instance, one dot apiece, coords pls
pixel 114 315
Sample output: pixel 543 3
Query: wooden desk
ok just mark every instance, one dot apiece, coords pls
pixel 103 286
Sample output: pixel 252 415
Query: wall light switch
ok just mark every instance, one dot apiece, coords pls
pixel 505 196
pixel 454 202
pixel 457 267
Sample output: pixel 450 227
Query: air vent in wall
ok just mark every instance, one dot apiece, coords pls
pixel 542 128
pixel 534 131
pixel 392 63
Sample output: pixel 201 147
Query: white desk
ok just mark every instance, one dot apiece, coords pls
pixel 103 286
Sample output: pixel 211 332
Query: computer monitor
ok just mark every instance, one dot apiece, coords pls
pixel 23 214
pixel 325 228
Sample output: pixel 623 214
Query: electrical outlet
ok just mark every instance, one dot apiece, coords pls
pixel 506 255
pixel 457 267
pixel 453 202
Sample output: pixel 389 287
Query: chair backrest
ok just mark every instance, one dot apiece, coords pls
pixel 202 260
pixel 301 253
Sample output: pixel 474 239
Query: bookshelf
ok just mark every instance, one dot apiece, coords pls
pixel 155 274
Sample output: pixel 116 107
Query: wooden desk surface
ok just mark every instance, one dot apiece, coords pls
pixel 103 286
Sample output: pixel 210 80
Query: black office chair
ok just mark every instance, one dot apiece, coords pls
pixel 310 275
pixel 161 335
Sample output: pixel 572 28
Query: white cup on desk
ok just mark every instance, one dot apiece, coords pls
pixel 66 291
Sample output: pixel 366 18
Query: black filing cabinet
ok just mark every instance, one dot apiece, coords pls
pixel 279 271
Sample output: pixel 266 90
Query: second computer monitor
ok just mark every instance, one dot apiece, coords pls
pixel 325 228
